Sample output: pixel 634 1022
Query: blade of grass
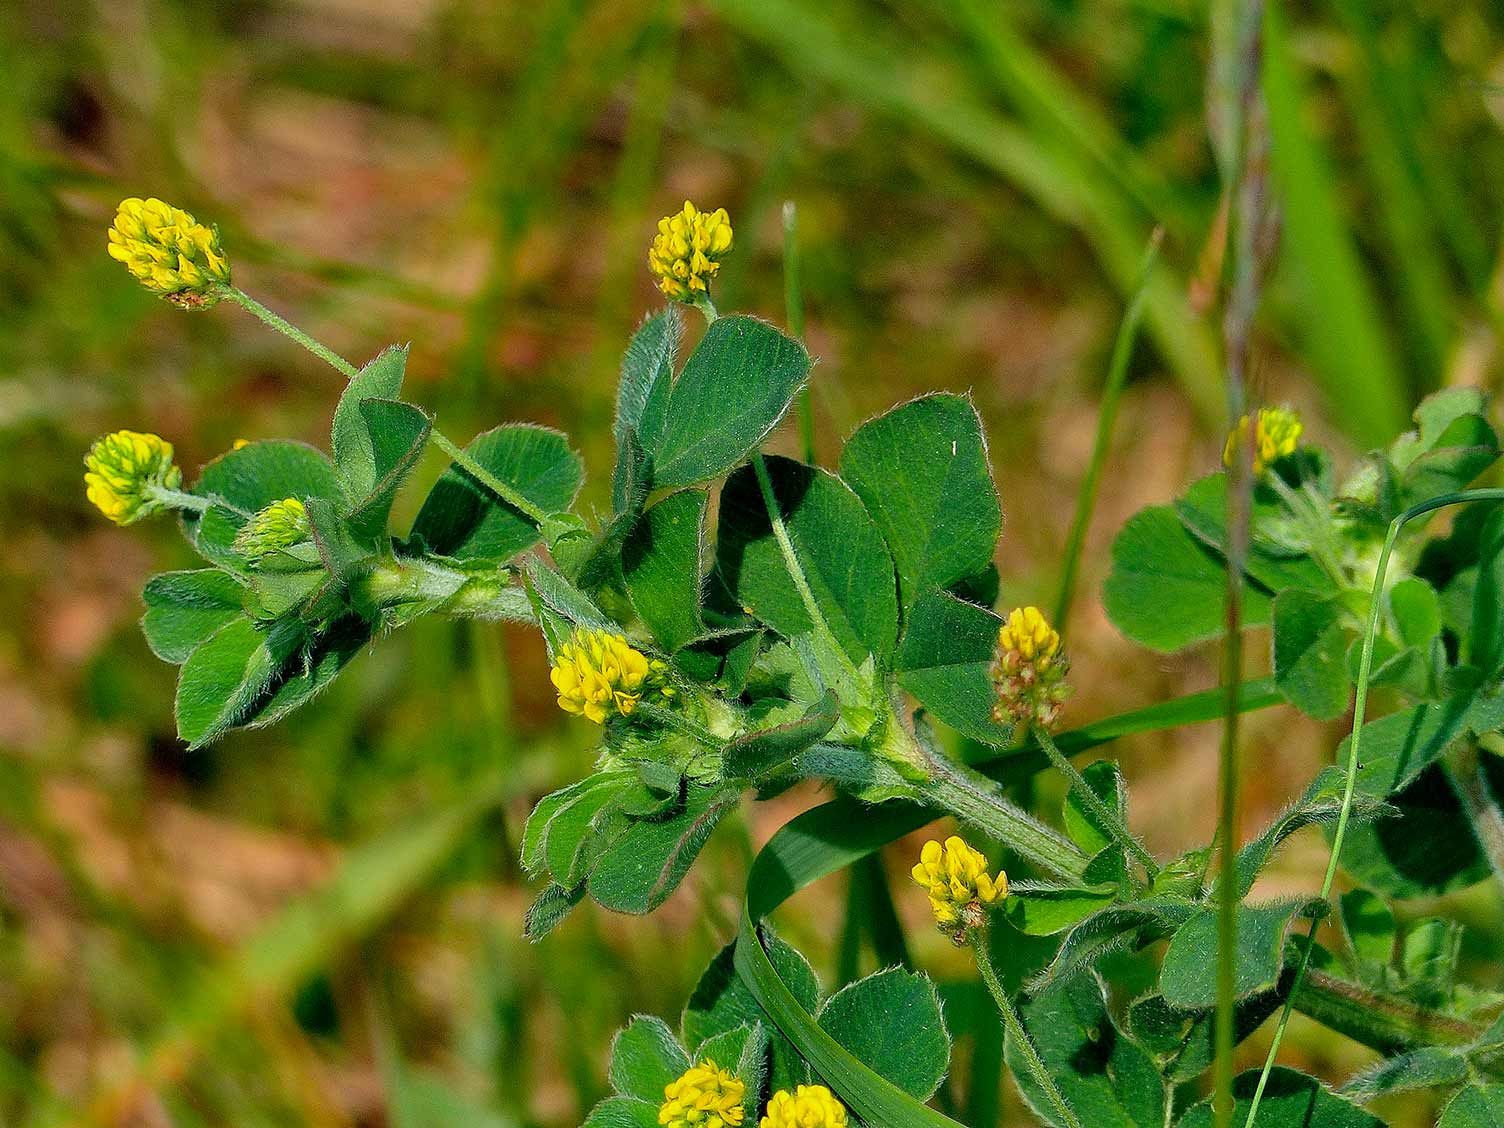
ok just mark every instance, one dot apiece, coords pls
pixel 1107 414
pixel 886 78
pixel 1342 329
pixel 793 304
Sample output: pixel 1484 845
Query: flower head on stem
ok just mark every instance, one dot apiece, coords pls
pixel 1276 435
pixel 1028 670
pixel 960 889
pixel 169 252
pixel 121 471
pixel 687 251
pixel 273 529
pixel 808 1106
pixel 705 1096
pixel 599 674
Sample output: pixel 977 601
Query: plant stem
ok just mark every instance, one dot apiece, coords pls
pixel 506 493
pixel 793 304
pixel 1117 376
pixel 493 692
pixel 1360 708
pixel 1108 819
pixel 288 329
pixel 786 545
pixel 975 799
pixel 1016 1032
pixel 194 503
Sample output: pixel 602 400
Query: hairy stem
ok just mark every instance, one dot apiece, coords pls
pixel 288 329
pixel 503 491
pixel 1107 818
pixel 975 799
pixel 786 545
pixel 1017 1035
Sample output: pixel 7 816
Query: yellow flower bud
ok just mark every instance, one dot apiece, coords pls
pixel 687 251
pixel 273 529
pixel 808 1106
pixel 598 674
pixel 959 887
pixel 169 252
pixel 120 471
pixel 706 1096
pixel 1275 436
pixel 1028 670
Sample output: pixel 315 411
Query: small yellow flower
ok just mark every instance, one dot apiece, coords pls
pixel 808 1106
pixel 686 254
pixel 1276 435
pixel 279 526
pixel 121 469
pixel 597 673
pixel 1028 670
pixel 707 1096
pixel 169 252
pixel 956 879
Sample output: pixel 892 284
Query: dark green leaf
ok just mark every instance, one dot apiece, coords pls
pixel 463 519
pixel 1427 848
pixel 549 910
pixel 1188 977
pixel 1486 638
pixel 1476 1106
pixel 1310 641
pixel 891 1022
pixel 1166 590
pixel 759 753
pixel 624 1112
pixel 228 674
pixel 1369 927
pixel 646 862
pixel 399 435
pixel 250 478
pixel 945 660
pixel 1107 1078
pixel 1045 911
pixel 1084 828
pixel 660 562
pixel 1291 1100
pixel 647 372
pixel 840 550
pixel 922 472
pixel 734 389
pixel 184 608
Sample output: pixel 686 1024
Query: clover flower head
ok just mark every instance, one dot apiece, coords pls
pixel 706 1096
pixel 687 251
pixel 1028 670
pixel 120 470
pixel 959 887
pixel 1276 434
pixel 598 674
pixel 273 529
pixel 169 252
pixel 808 1106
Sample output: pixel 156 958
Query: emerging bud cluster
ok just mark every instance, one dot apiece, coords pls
pixel 808 1106
pixel 1028 670
pixel 120 470
pixel 598 674
pixel 686 254
pixel 274 529
pixel 1276 434
pixel 169 252
pixel 959 887
pixel 706 1096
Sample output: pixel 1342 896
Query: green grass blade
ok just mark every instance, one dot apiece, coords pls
pixel 1342 329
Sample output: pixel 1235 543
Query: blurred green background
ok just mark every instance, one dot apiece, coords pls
pixel 320 924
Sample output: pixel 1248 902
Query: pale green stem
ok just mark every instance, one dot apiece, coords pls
pixel 1117 377
pixel 506 493
pixel 1360 707
pixel 1017 1035
pixel 288 329
pixel 786 545
pixel 182 499
pixel 1109 821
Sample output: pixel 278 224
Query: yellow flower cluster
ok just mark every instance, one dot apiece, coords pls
pixel 120 470
pixel 597 673
pixel 956 879
pixel 686 254
pixel 1028 670
pixel 1275 436
pixel 169 252
pixel 706 1096
pixel 279 526
pixel 809 1106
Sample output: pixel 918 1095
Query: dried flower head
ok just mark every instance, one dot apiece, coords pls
pixel 706 1096
pixel 1275 436
pixel 273 529
pixel 808 1106
pixel 959 887
pixel 1028 670
pixel 121 469
pixel 597 674
pixel 687 251
pixel 169 252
